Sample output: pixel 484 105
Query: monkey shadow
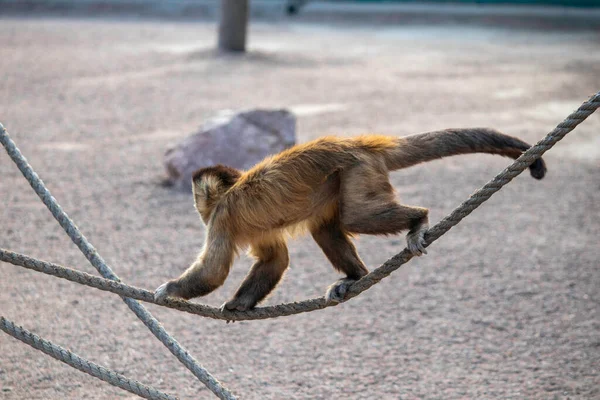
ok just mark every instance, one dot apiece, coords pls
pixel 270 58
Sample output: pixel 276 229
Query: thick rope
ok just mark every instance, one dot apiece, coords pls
pixel 366 282
pixel 123 289
pixel 96 260
pixel 82 364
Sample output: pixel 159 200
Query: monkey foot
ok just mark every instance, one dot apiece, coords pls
pixel 238 304
pixel 337 291
pixel 415 241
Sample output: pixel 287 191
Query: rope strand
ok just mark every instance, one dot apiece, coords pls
pixel 72 359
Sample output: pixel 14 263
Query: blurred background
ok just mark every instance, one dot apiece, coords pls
pixel 111 101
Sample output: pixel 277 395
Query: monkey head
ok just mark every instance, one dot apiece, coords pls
pixel 209 184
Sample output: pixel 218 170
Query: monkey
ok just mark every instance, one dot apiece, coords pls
pixel 335 188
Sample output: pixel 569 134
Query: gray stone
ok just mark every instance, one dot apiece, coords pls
pixel 239 140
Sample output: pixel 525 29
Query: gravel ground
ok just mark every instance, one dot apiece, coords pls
pixel 506 305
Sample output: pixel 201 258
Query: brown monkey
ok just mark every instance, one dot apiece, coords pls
pixel 334 188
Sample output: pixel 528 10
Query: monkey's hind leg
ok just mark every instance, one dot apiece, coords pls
pixel 389 219
pixel 342 254
pixel 264 275
pixel 369 206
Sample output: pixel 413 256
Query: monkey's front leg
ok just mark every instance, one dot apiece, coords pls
pixel 206 274
pixel 264 275
pixel 198 280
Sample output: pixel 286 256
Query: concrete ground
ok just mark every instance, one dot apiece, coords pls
pixel 506 305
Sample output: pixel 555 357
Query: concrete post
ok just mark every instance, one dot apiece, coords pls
pixel 233 25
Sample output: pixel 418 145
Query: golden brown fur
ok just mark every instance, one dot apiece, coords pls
pixel 333 187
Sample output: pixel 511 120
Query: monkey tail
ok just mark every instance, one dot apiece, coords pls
pixel 423 147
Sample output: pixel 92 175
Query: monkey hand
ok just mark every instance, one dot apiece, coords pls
pixel 337 291
pixel 415 241
pixel 164 291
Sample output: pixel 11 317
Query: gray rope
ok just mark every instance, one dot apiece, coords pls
pixel 366 282
pixel 119 288
pixel 82 364
pixel 96 260
pixel 75 276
